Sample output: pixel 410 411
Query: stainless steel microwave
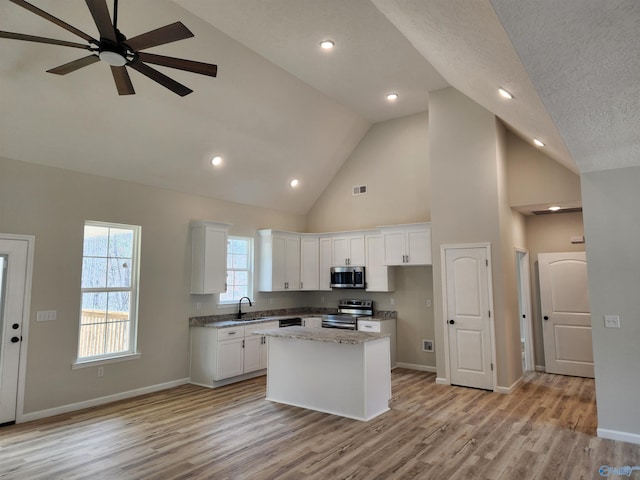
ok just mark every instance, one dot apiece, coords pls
pixel 347 277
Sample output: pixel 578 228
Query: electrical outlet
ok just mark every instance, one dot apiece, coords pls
pixel 198 306
pixel 100 372
pixel 392 301
pixel 611 321
pixel 427 345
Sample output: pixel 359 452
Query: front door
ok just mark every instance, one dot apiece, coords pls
pixel 566 317
pixel 468 317
pixel 13 270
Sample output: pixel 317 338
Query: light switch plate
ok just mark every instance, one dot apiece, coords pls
pixel 46 315
pixel 611 321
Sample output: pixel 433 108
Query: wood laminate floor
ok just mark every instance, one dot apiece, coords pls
pixel 545 429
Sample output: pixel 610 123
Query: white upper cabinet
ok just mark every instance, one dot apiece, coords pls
pixel 407 244
pixel 379 277
pixel 348 249
pixel 208 257
pixel 326 262
pixel 279 261
pixel 309 262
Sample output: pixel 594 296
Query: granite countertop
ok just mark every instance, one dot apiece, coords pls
pixel 333 335
pixel 229 320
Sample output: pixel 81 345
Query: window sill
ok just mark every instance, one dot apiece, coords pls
pixel 104 361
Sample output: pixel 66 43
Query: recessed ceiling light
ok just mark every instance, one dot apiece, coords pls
pixel 392 96
pixel 327 44
pixel 215 161
pixel 538 143
pixel 294 183
pixel 504 94
pixel 555 208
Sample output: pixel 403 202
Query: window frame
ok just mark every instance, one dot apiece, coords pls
pixel 133 290
pixel 250 270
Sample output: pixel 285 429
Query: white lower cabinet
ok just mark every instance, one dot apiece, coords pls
pixel 219 354
pixel 313 322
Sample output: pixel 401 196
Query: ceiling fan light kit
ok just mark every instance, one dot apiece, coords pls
pixel 117 51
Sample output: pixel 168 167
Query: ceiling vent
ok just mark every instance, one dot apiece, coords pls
pixel 359 190
pixel 562 210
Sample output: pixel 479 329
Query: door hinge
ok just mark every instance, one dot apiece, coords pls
pixel 492 367
pixel 489 313
pixel 486 262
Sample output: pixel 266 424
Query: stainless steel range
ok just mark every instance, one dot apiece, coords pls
pixel 348 313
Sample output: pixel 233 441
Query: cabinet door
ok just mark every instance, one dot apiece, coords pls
pixel 378 276
pixel 419 247
pixel 394 248
pixel 292 264
pixel 253 353
pixel 309 264
pixel 229 359
pixel 325 264
pixel 208 260
pixel 357 251
pixel 278 263
pixel 340 246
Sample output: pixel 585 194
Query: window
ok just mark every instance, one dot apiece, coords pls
pixel 239 269
pixel 108 317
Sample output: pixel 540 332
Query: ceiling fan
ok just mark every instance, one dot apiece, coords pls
pixel 117 50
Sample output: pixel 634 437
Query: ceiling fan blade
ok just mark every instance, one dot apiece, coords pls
pixel 161 78
pixel 160 36
pixel 102 18
pixel 75 65
pixel 51 41
pixel 55 20
pixel 123 81
pixel 180 64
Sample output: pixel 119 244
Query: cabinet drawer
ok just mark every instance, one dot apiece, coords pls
pixel 248 330
pixel 230 332
pixel 369 326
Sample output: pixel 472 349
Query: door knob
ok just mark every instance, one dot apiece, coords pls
pixel 15 339
pixel 451 322
pixel 545 317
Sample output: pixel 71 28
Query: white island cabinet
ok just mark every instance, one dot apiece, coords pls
pixel 344 373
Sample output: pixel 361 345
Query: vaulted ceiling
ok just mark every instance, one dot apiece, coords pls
pixel 282 108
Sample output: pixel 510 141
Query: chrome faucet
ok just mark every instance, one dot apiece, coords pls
pixel 240 306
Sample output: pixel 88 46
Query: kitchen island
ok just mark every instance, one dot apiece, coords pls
pixel 342 372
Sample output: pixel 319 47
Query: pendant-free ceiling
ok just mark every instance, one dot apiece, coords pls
pixel 118 51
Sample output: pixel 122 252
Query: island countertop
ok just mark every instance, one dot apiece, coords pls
pixel 333 335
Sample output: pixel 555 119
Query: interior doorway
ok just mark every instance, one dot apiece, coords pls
pixel 524 307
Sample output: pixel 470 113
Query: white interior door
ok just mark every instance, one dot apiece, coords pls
pixel 566 324
pixel 13 271
pixel 468 317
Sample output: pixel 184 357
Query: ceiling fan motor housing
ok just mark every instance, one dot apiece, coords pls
pixel 115 54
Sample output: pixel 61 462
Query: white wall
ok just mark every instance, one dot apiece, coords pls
pixel 469 205
pixel 612 230
pixel 392 161
pixel 53 204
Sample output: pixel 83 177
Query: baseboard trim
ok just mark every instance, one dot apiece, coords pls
pixel 442 381
pixel 94 402
pixel 414 366
pixel 617 435
pixel 540 368
pixel 508 390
